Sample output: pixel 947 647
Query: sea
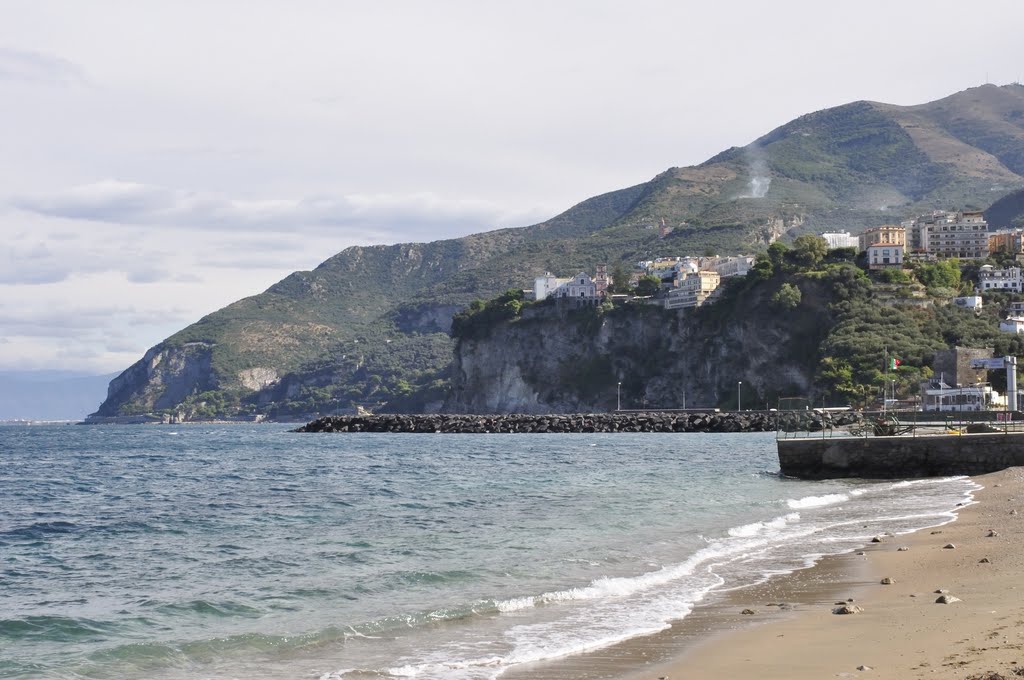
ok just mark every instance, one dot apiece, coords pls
pixel 249 551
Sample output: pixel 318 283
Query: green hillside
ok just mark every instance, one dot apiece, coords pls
pixel 370 325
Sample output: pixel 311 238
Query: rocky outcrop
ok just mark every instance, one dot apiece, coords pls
pixel 162 379
pixel 558 359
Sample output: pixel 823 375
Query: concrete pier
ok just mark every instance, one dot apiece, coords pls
pixel 900 457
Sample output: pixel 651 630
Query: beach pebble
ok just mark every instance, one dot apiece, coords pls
pixel 864 668
pixel 949 546
pixel 936 532
pixel 847 609
pixel 984 560
pixel 887 581
pixel 748 612
pixel 861 553
pixel 876 539
pixel 1013 512
pixel 992 533
pixel 947 599
pixel 903 548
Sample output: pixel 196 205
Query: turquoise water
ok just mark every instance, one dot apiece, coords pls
pixel 251 552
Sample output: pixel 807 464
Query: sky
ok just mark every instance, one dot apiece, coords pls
pixel 161 159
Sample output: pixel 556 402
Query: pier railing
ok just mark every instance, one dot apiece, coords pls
pixel 823 423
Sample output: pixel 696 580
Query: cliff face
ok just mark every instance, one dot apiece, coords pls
pixel 163 378
pixel 562 360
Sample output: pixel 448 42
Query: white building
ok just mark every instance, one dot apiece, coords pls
pixel 728 266
pixel 882 255
pixel 579 286
pixel 994 280
pixel 972 302
pixel 840 239
pixel 546 285
pixel 1012 324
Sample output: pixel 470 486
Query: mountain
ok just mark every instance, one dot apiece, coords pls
pixel 1007 212
pixel 50 395
pixel 370 325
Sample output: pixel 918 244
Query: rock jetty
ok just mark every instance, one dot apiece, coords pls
pixel 646 421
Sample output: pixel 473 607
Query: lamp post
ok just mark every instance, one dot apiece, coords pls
pixel 618 397
pixel 739 402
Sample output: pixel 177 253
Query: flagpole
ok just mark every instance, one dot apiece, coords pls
pixel 885 384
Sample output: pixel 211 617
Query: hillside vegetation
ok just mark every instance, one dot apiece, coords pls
pixel 370 326
pixel 801 323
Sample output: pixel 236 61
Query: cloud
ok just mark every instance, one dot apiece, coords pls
pixel 74 323
pixel 34 265
pixel 410 215
pixel 38 68
pixel 150 276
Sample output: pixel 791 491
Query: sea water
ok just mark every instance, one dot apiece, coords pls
pixel 252 552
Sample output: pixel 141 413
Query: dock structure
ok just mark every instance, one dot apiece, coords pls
pixel 891 446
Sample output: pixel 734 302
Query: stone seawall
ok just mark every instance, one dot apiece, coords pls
pixel 646 421
pixel 900 457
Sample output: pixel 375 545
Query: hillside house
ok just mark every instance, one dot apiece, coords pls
pixel 1012 324
pixel 694 290
pixel 972 302
pixel 992 280
pixel 885 255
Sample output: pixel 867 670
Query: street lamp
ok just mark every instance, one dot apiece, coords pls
pixel 618 397
pixel 739 403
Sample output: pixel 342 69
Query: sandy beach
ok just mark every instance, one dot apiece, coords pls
pixel 785 629
pixel 901 632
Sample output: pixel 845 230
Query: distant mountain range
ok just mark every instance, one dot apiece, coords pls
pixel 370 325
pixel 50 395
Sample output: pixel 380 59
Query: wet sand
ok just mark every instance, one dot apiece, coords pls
pixel 901 633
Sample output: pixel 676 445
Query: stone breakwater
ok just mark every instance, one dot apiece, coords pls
pixel 648 421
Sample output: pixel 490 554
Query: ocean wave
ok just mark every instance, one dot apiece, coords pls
pixel 755 528
pixel 54 628
pixel 816 501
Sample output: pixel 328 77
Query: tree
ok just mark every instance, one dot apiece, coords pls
pixel 762 269
pixel 788 296
pixel 777 254
pixel 808 250
pixel 648 285
pixel 944 274
pixel 620 279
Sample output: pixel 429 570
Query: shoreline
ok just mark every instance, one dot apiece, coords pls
pixel 901 633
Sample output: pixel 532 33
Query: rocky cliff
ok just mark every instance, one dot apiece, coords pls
pixel 557 359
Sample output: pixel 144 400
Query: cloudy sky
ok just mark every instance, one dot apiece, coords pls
pixel 161 159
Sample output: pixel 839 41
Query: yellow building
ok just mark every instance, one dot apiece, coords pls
pixel 887 235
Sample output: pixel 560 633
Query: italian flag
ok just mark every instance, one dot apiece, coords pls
pixel 893 363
